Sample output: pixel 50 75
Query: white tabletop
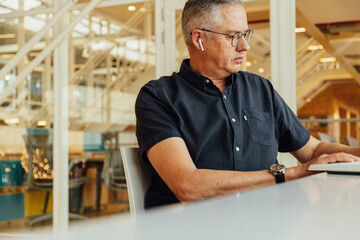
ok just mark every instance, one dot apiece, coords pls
pixel 323 206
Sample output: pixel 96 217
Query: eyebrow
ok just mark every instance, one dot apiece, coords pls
pixel 232 32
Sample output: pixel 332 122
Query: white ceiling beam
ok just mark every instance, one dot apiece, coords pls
pixel 323 75
pixel 79 6
pixel 44 53
pixel 309 61
pixel 36 38
pixel 18 14
pixel 108 3
pixel 10 48
pixel 321 38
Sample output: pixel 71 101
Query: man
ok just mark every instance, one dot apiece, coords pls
pixel 212 129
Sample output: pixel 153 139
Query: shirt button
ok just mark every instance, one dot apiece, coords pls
pixel 237 149
pixel 224 96
pixel 233 119
pixel 207 81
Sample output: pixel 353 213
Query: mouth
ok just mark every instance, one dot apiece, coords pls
pixel 239 59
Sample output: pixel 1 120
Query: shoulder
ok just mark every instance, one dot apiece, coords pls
pixel 253 81
pixel 157 91
pixel 252 77
pixel 161 85
pixel 156 85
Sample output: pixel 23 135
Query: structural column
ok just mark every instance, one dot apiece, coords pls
pixel 283 56
pixel 46 84
pixel 159 38
pixel 20 66
pixel 283 49
pixel 90 91
pixel 107 107
pixel 61 119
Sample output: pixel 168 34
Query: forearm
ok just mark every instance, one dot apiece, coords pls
pixel 316 152
pixel 204 183
pixel 315 148
pixel 173 163
pixel 328 148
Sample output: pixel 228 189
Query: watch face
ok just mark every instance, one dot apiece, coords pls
pixel 277 167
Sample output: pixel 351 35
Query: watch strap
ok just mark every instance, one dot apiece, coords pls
pixel 279 178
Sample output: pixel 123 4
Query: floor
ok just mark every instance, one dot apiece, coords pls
pixel 19 229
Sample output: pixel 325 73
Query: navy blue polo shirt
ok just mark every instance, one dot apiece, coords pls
pixel 241 129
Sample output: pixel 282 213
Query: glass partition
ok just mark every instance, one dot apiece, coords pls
pixel 111 55
pixel 258 57
pixel 25 143
pixel 328 73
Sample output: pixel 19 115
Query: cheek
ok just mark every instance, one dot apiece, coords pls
pixel 222 54
pixel 227 56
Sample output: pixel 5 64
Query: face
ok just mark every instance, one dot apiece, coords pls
pixel 221 58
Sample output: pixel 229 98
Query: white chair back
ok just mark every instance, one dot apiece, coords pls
pixel 326 138
pixel 350 141
pixel 138 178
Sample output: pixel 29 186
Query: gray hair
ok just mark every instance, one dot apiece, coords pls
pixel 202 14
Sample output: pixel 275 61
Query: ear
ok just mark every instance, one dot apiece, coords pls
pixel 195 36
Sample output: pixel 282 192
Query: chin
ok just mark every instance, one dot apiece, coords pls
pixel 235 68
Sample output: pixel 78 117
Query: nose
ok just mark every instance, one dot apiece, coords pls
pixel 243 45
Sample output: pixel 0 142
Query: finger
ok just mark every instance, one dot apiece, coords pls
pixel 342 157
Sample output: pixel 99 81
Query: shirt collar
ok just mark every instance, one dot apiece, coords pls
pixel 192 77
pixel 199 81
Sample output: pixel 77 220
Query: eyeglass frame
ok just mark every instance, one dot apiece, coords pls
pixel 231 36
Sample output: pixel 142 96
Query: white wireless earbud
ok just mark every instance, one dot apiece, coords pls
pixel 201 46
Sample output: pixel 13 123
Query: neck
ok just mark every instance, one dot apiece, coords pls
pixel 219 81
pixel 221 84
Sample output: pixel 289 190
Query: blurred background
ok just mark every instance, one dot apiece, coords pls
pixel 112 52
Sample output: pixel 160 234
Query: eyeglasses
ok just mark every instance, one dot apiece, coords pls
pixel 236 38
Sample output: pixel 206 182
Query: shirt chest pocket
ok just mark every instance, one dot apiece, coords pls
pixel 261 127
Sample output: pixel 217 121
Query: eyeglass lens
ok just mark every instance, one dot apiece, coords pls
pixel 237 38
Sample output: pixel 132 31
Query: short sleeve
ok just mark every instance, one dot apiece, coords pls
pixel 292 133
pixel 155 117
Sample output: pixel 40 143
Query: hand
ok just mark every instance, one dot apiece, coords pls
pixel 333 158
pixel 301 171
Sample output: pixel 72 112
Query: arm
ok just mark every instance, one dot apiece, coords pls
pixel 172 161
pixel 328 148
pixel 317 152
pixel 315 148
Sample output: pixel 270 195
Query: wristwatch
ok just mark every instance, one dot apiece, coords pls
pixel 278 170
